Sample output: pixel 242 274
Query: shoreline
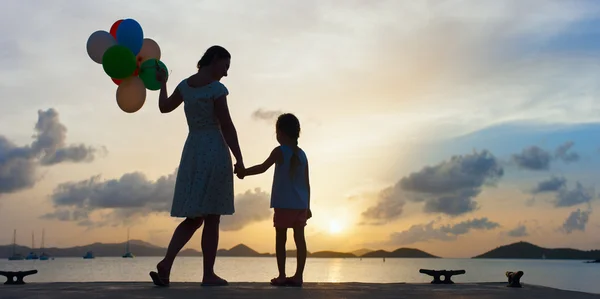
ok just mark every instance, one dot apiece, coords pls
pixel 97 290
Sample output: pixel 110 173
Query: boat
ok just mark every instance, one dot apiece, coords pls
pixel 89 255
pixel 43 256
pixel 128 253
pixel 15 256
pixel 32 255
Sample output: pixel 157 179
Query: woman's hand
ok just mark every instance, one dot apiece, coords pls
pixel 239 169
pixel 161 74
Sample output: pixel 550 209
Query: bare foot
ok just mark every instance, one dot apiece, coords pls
pixel 213 280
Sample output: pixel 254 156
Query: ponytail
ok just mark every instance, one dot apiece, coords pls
pixel 295 160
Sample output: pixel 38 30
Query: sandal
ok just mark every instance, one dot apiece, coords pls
pixel 159 281
pixel 218 283
pixel 279 282
pixel 293 282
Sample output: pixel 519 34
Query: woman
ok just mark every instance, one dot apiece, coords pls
pixel 204 185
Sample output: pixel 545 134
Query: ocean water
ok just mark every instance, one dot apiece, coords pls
pixel 561 274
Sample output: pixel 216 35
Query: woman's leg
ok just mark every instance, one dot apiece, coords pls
pixel 301 257
pixel 182 234
pixel 210 242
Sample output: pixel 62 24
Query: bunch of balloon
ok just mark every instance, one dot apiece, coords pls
pixel 129 59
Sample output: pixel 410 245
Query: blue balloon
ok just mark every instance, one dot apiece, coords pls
pixel 130 35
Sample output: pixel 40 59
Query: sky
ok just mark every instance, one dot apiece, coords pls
pixel 449 126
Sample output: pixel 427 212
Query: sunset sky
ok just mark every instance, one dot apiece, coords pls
pixel 449 126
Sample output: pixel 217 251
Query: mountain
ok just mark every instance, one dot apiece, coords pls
pixel 524 250
pixel 137 247
pixel 361 252
pixel 331 254
pixel 400 253
pixel 240 250
pixel 141 248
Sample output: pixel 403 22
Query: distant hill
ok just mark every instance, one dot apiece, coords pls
pixel 400 253
pixel 524 250
pixel 137 247
pixel 361 252
pixel 240 250
pixel 331 254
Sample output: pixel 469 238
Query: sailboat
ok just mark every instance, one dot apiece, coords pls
pixel 15 256
pixel 32 255
pixel 128 253
pixel 43 256
pixel 89 255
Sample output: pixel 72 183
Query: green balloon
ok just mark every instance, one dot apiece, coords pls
pixel 148 73
pixel 118 62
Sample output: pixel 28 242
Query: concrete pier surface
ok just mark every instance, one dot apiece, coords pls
pixel 139 290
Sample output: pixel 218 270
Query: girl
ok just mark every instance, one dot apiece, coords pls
pixel 290 195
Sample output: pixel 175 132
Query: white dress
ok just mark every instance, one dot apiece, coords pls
pixel 204 183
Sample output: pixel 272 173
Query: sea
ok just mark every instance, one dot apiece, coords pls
pixel 571 275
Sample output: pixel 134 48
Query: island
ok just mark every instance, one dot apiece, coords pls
pixel 525 250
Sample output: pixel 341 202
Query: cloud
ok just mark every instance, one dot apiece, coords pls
pixel 533 158
pixel 577 220
pixel 389 207
pixel 117 201
pixel 95 202
pixel 562 153
pixel 19 164
pixel 250 207
pixel 550 185
pixel 538 159
pixel 572 197
pixel 519 231
pixel 427 232
pixel 447 188
pixel 268 115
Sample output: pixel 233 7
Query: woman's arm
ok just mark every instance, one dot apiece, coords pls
pixel 275 155
pixel 167 103
pixel 228 129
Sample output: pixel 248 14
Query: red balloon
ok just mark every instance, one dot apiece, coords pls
pixel 118 81
pixel 114 27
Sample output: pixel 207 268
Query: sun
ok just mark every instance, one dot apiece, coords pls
pixel 335 227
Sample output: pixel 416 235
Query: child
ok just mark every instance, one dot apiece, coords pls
pixel 290 195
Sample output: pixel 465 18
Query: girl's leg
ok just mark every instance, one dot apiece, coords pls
pixel 182 234
pixel 280 240
pixel 210 242
pixel 301 256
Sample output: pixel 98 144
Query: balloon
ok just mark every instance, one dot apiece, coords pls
pixel 114 27
pixel 118 81
pixel 98 43
pixel 130 35
pixel 150 49
pixel 148 73
pixel 131 94
pixel 118 62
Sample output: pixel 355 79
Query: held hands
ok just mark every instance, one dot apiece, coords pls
pixel 239 170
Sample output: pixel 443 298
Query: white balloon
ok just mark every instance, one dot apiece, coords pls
pixel 98 43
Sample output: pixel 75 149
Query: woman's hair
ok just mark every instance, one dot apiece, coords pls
pixel 213 53
pixel 289 125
